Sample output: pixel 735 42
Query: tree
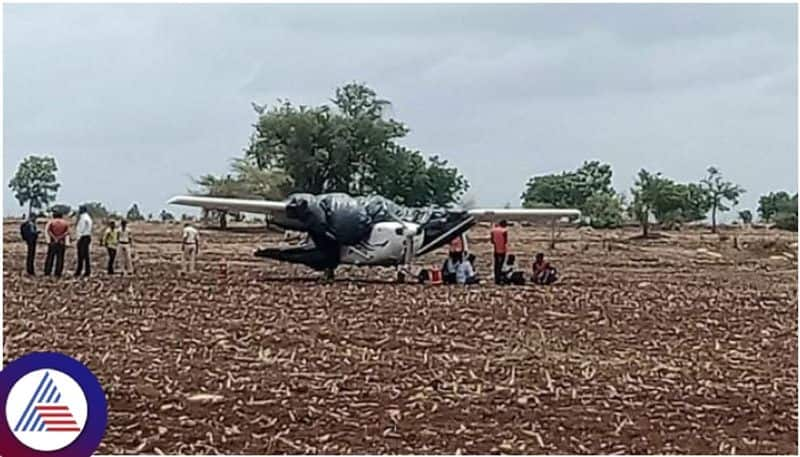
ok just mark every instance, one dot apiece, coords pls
pixel 570 189
pixel 659 197
pixel 247 180
pixel 349 147
pixel 645 193
pixel 134 214
pixel 166 216
pixel 604 210
pixel 746 216
pixel 61 208
pixel 96 210
pixel 775 202
pixel 786 220
pixel 669 203
pixel 779 208
pixel 696 203
pixel 35 183
pixel 258 182
pixel 719 192
pixel 409 179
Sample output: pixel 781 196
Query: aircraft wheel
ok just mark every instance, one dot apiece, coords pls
pixel 401 277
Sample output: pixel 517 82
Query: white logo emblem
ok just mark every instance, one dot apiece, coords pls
pixel 46 410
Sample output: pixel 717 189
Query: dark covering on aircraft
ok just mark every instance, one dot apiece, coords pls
pixel 348 220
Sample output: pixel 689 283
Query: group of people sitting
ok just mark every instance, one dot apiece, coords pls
pixel 459 268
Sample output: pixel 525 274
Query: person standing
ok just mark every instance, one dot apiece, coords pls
pixel 84 235
pixel 125 246
pixel 110 240
pixel 57 235
pixel 191 246
pixel 30 233
pixel 499 238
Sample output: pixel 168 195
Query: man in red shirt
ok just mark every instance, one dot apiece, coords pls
pixel 57 233
pixel 499 238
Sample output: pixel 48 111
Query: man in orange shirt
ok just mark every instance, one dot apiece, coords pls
pixel 499 238
pixel 57 233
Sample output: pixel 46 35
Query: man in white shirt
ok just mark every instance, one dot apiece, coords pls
pixel 465 274
pixel 84 234
pixel 191 245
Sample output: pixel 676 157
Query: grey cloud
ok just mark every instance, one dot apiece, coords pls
pixel 132 99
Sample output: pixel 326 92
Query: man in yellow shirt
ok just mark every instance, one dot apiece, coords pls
pixel 110 240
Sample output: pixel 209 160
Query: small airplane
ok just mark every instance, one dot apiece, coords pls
pixel 364 231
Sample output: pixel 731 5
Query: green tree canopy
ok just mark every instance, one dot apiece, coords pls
pixel 746 216
pixel 646 191
pixel 166 216
pixel 569 189
pixel 786 220
pixel 604 210
pixel 719 193
pixel 666 201
pixel 350 147
pixel 779 208
pixel 775 202
pixel 61 208
pixel 588 188
pixel 134 214
pixel 258 182
pixel 35 183
pixel 96 210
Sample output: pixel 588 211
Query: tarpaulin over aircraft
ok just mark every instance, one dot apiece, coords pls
pixel 348 219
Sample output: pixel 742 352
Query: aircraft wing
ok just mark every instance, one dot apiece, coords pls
pixel 522 214
pixel 230 204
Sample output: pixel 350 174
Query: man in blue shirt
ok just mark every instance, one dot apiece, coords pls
pixel 30 233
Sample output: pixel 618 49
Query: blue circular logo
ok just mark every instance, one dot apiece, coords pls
pixel 52 405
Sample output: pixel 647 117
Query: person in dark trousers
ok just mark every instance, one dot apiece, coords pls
pixel 30 233
pixel 509 273
pixel 499 238
pixel 109 241
pixel 449 268
pixel 84 235
pixel 57 234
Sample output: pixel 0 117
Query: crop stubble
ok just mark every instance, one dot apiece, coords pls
pixel 651 347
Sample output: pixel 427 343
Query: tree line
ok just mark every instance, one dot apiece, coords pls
pixel 351 145
pixel 655 199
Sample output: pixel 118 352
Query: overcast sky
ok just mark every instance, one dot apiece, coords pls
pixel 132 100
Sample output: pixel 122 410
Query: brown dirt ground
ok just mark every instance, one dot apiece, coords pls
pixel 651 347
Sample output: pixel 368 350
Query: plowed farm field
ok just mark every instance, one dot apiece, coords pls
pixel 681 344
